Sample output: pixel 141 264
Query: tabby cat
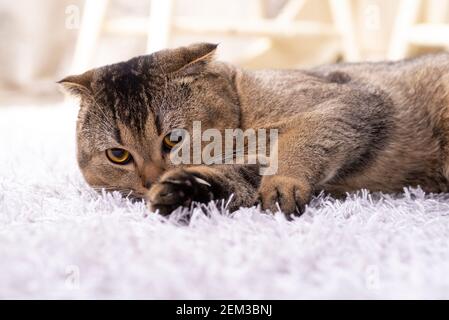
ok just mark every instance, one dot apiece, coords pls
pixel 380 126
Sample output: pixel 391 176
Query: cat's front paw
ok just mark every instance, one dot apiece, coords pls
pixel 287 194
pixel 178 188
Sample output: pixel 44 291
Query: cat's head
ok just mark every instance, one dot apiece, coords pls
pixel 128 109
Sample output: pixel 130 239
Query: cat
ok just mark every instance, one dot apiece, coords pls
pixel 380 126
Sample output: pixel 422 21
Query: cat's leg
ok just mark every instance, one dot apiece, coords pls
pixel 302 156
pixel 184 185
pixel 338 140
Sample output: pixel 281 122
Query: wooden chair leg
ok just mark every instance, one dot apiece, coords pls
pixel 437 11
pixel 90 28
pixel 343 19
pixel 290 10
pixel 159 25
pixel 407 15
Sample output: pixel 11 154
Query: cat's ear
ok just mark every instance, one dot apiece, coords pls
pixel 78 85
pixel 185 61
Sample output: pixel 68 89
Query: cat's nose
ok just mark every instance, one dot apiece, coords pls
pixel 150 173
pixel 147 184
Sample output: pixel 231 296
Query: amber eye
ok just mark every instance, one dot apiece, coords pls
pixel 118 156
pixel 169 143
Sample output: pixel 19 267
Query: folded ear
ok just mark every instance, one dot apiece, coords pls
pixel 78 85
pixel 188 60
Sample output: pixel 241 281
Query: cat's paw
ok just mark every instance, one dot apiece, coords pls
pixel 287 194
pixel 178 188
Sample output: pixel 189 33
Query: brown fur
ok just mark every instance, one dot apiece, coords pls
pixel 380 126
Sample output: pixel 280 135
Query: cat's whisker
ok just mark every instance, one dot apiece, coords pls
pixel 227 156
pixel 127 193
pixel 245 155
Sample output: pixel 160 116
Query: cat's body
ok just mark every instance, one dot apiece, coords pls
pixel 380 126
pixel 398 109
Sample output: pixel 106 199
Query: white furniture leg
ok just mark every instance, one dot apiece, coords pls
pixel 90 28
pixel 407 15
pixel 437 11
pixel 343 19
pixel 159 25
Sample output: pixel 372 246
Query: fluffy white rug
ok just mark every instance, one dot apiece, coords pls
pixel 59 239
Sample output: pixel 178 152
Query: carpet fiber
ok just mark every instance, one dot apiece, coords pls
pixel 59 239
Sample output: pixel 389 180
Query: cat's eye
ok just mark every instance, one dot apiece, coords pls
pixel 171 140
pixel 118 156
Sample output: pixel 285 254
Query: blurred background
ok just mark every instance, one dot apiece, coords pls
pixel 43 41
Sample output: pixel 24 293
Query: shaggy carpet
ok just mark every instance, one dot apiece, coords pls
pixel 59 239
